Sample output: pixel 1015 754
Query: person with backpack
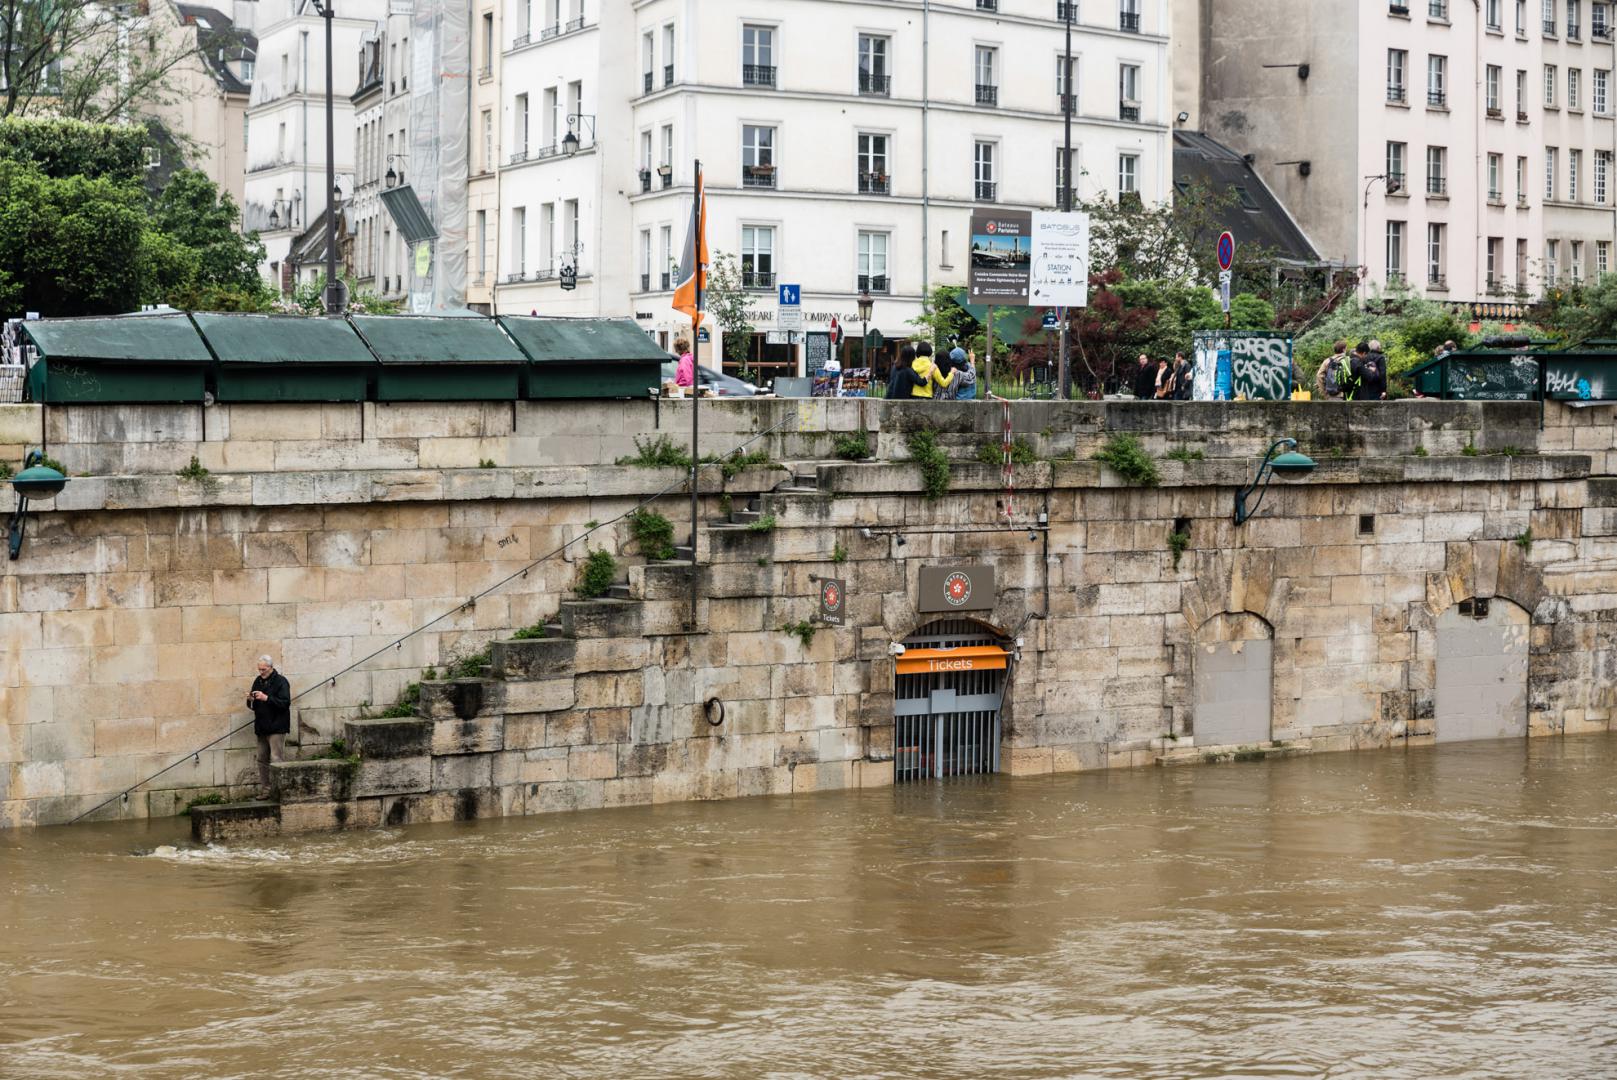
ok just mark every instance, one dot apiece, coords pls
pixel 901 384
pixel 1328 380
pixel 965 376
pixel 1367 374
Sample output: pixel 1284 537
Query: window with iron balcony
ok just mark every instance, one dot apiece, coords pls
pixel 1397 93
pixel 1066 12
pixel 1129 112
pixel 647 82
pixel 757 75
pixel 874 184
pixel 645 282
pixel 757 279
pixel 985 190
pixel 876 283
pixel 987 5
pixel 987 95
pixel 874 85
pixel 668 74
pixel 665 280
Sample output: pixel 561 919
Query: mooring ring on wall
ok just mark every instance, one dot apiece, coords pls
pixel 713 709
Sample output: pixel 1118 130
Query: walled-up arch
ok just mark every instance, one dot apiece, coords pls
pixel 1482 662
pixel 1232 678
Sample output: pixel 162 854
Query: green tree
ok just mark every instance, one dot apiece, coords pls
pixel 727 303
pixel 309 298
pixel 70 245
pixel 197 216
pixel 61 147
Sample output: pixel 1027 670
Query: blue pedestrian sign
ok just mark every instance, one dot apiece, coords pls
pixel 1226 251
pixel 791 295
pixel 1051 320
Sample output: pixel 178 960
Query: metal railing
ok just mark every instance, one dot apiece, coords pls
pixel 758 176
pixel 1395 182
pixel 1549 27
pixel 668 74
pixel 987 95
pixel 1066 12
pixel 521 40
pixel 757 75
pixel 876 283
pixel 1129 22
pixel 757 279
pixel 518 158
pixel 985 190
pixel 1130 113
pixel 646 83
pixel 987 5
pixel 667 280
pixel 874 184
pixel 1437 185
pixel 1437 9
pixel 1437 98
pixel 1067 103
pixel 874 85
pixel 1573 31
pixel 575 24
pixel 553 30
pixel 1397 93
pixel 1436 279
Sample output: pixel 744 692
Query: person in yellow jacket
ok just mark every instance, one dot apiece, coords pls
pixel 927 372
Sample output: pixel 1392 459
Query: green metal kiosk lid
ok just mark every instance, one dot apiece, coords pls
pixel 433 339
pixel 164 339
pixel 282 339
pixel 573 341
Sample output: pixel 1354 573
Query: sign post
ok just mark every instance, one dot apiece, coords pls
pixel 790 317
pixel 1226 259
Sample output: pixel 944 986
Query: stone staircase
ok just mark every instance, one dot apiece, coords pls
pixel 543 713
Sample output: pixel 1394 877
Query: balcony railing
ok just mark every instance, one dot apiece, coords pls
pixel 1437 185
pixel 757 75
pixel 645 180
pixel 1437 9
pixel 757 279
pixel 1600 32
pixel 553 30
pixel 987 95
pixel 985 190
pixel 518 158
pixel 876 283
pixel 1549 27
pixel 758 176
pixel 645 282
pixel 667 173
pixel 521 40
pixel 875 85
pixel 516 275
pixel 1397 9
pixel 1129 22
pixel 1495 112
pixel 1128 112
pixel 1395 181
pixel 544 273
pixel 1066 12
pixel 1397 93
pixel 987 5
pixel 1436 279
pixel 1573 31
pixel 575 24
pixel 1495 195
pixel 667 280
pixel 1067 103
pixel 874 184
pixel 668 74
pixel 1437 99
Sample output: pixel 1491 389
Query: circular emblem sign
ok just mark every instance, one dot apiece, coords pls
pixel 831 597
pixel 957 589
pixel 993 226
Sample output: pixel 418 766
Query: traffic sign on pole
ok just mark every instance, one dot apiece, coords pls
pixel 1226 251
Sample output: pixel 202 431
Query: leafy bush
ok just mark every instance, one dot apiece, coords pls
pixel 804 631
pixel 1124 455
pixel 209 798
pixel 193 471
pixel 855 447
pixel 599 573
pixel 1184 453
pixel 763 525
pixel 736 461
pixel 1177 543
pixel 529 633
pixel 653 532
pixel 469 666
pixel 839 554
pixel 486 463
pixel 934 463
pixel 657 452
pixel 992 452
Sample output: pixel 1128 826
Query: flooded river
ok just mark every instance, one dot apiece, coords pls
pixel 1444 912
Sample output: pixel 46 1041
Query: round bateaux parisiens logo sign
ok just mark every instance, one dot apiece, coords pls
pixel 831 596
pixel 957 589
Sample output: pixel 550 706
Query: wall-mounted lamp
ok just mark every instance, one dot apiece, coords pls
pixel 37 481
pixel 1302 69
pixel 570 142
pixel 391 177
pixel 1303 167
pixel 1184 118
pixel 1291 463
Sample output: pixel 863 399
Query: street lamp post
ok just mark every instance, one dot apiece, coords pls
pixel 866 304
pixel 1064 368
pixel 336 290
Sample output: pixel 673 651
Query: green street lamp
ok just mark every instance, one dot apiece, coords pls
pixel 1291 463
pixel 37 480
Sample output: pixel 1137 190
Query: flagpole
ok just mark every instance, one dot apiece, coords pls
pixel 696 375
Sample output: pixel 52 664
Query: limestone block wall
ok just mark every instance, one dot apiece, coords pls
pixel 129 627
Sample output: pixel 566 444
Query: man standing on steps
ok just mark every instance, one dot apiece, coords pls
pixel 271 702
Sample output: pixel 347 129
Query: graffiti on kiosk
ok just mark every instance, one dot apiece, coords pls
pixel 1259 365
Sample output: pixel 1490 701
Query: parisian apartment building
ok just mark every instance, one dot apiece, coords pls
pixel 1462 146
pixel 844 144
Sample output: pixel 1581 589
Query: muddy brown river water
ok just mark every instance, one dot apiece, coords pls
pixel 1436 913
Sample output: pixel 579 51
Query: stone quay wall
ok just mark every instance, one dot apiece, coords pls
pixel 325 534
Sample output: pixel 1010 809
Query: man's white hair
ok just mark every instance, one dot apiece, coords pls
pixel 267 659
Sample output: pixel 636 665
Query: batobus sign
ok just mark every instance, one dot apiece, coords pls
pixel 1021 258
pixel 957 588
pixel 833 601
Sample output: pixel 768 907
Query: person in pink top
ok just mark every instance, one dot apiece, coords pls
pixel 685 373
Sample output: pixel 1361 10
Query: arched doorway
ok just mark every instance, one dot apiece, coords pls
pixel 1232 671
pixel 1482 649
pixel 948 687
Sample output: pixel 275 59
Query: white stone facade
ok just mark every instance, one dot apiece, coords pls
pixel 1495 119
pixel 286 137
pixel 874 161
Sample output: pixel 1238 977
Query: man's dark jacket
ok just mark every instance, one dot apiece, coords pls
pixel 272 717
pixel 1145 382
pixel 1371 372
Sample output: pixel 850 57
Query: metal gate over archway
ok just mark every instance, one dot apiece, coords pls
pixel 948 689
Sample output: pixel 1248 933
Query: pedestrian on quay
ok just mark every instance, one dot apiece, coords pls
pixel 1369 373
pixel 926 373
pixel 685 371
pixel 1162 385
pixel 945 366
pixel 1328 379
pixel 1184 377
pixel 270 699
pixel 965 376
pixel 957 364
pixel 1145 379
pixel 901 383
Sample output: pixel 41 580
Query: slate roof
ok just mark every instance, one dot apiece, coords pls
pixel 1257 217
pixel 219 42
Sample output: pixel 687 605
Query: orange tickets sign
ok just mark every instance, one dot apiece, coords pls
pixel 969 658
